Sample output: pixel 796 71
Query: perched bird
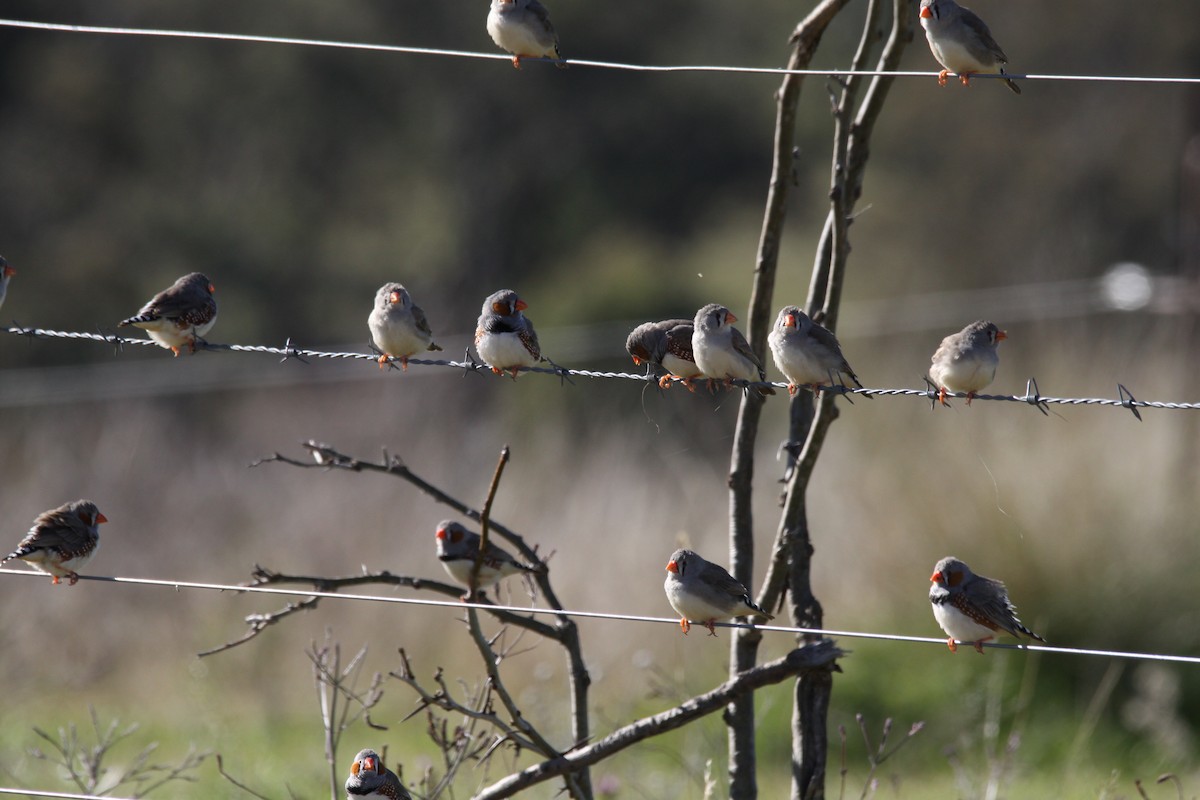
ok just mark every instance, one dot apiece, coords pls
pixel 522 27
pixel 966 361
pixel 370 778
pixel 806 353
pixel 666 344
pixel 398 325
pixel 961 42
pixel 457 548
pixel 6 272
pixel 179 314
pixel 970 607
pixel 703 592
pixel 61 540
pixel 720 350
pixel 504 337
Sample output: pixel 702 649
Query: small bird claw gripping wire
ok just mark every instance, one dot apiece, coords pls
pixel 291 351
pixel 390 361
pixel 1128 400
pixel 1033 398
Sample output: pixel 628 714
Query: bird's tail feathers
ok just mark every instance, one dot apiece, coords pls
pixel 136 320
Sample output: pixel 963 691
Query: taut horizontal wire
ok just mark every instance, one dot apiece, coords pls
pixel 1031 396
pixel 575 62
pixel 37 793
pixel 419 601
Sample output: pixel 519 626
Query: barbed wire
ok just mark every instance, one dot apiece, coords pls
pixel 574 62
pixel 673 621
pixel 1032 396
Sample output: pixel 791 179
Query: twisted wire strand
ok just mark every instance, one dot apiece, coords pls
pixel 575 62
pixel 456 604
pixel 70 796
pixel 1125 399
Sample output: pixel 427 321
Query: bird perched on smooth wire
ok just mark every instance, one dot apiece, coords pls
pixel 966 361
pixel 806 353
pixel 370 778
pixel 6 273
pixel 701 591
pixel 504 337
pixel 62 540
pixel 666 344
pixel 179 314
pixel 961 42
pixel 398 325
pixel 970 607
pixel 720 350
pixel 457 548
pixel 523 28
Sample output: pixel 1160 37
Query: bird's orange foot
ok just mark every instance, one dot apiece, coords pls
pixel 72 579
pixel 175 350
pixel 54 579
pixel 664 382
pixel 404 364
pixel 383 360
pixel 690 384
pixel 792 389
pixel 685 626
pixel 965 78
pixel 979 644
pixel 496 371
pixel 970 395
pixel 514 372
pixel 712 629
pixel 953 645
pixel 516 62
pixel 942 396
pixel 942 77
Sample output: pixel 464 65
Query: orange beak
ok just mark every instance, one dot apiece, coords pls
pixel 730 318
pixel 100 518
pixel 521 305
pixel 212 289
pixel 394 297
pixel 926 13
pixel 441 533
pixel 637 362
pixel 789 321
pixel 9 271
pixel 935 577
pixel 369 763
pixel 1001 336
pixel 671 566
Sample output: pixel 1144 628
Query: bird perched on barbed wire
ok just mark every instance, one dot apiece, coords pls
pixel 523 28
pixel 666 344
pixel 806 353
pixel 370 778
pixel 701 591
pixel 398 325
pixel 504 337
pixel 961 42
pixel 971 608
pixel 62 540
pixel 6 273
pixel 720 350
pixel 966 361
pixel 458 547
pixel 179 314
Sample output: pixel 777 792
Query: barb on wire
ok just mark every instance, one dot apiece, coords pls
pixel 836 74
pixel 1125 398
pixel 563 612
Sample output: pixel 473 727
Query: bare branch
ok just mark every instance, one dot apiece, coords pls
pixel 484 516
pixel 235 782
pixel 818 657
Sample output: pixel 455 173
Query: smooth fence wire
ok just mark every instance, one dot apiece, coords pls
pixel 575 62
pixel 39 793
pixel 1031 397
pixel 458 604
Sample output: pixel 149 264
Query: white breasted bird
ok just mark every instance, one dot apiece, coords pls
pixel 720 350
pixel 966 361
pixel 971 608
pixel 504 337
pixel 370 778
pixel 458 547
pixel 961 42
pixel 666 344
pixel 179 314
pixel 703 592
pixel 398 325
pixel 806 353
pixel 62 540
pixel 523 28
